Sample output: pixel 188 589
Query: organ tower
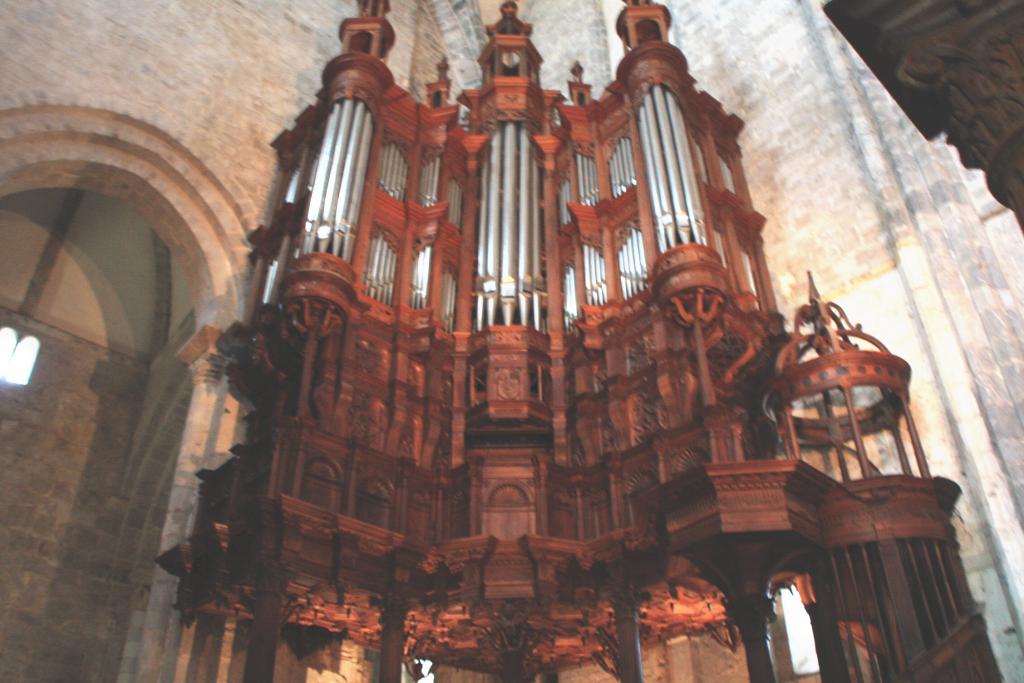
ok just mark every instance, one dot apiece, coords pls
pixel 520 398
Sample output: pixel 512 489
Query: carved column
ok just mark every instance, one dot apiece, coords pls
pixel 819 602
pixel 751 614
pixel 954 68
pixel 160 631
pixel 392 638
pixel 627 627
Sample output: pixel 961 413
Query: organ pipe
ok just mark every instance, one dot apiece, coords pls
pixel 675 199
pixel 429 177
pixel 586 174
pixel 594 276
pixel 564 217
pixel 508 249
pixel 454 203
pixel 421 278
pixel 447 310
pixel 394 171
pixel 379 273
pixel 632 267
pixel 572 311
pixel 335 196
pixel 620 166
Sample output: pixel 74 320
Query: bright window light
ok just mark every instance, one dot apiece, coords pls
pixel 426 668
pixel 799 632
pixel 17 356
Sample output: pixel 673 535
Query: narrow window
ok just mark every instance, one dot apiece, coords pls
pixel 17 356
pixel 798 632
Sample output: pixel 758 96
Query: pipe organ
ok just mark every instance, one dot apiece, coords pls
pixel 517 357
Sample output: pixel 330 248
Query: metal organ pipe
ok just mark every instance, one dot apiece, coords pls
pixel 675 197
pixel 685 156
pixel 335 194
pixel 447 312
pixel 428 182
pixel 536 249
pixel 421 278
pixel 680 216
pixel 394 171
pixel 454 203
pixel 571 305
pixel 481 243
pixel 508 216
pixel 508 251
pixel 621 167
pixel 493 217
pixel 633 269
pixel 524 277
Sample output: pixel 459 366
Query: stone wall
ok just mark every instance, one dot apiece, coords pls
pixel 84 491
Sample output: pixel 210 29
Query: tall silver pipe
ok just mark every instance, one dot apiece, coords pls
pixel 524 219
pixel 508 215
pixel 493 220
pixel 358 177
pixel 665 218
pixel 370 274
pixel 626 155
pixel 615 173
pixel 386 158
pixel 680 217
pixel 481 246
pixel 653 188
pixel 377 276
pixel 341 222
pixel 624 274
pixel 322 169
pixel 389 279
pixel 536 242
pixel 623 154
pixel 685 155
pixel 341 144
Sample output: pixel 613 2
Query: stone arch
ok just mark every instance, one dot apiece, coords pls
pixel 116 155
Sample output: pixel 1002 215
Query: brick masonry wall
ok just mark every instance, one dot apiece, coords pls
pixel 82 507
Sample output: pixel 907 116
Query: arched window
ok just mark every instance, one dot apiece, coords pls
pixel 17 356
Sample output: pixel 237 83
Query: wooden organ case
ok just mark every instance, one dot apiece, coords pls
pixel 521 400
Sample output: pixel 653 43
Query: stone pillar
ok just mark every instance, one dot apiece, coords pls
pixel 392 638
pixel 160 631
pixel 627 627
pixel 751 615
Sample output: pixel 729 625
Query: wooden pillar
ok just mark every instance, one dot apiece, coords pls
pixel 627 627
pixel 751 615
pixel 828 642
pixel 264 633
pixel 392 638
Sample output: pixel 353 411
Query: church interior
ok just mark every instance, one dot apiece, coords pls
pixel 467 341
